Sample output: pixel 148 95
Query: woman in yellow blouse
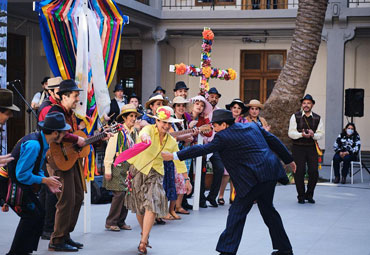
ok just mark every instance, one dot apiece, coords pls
pixel 114 176
pixel 147 197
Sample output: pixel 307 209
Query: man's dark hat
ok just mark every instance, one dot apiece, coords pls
pixel 133 95
pixel 308 97
pixel 45 80
pixel 214 91
pixel 239 102
pixel 6 100
pixel 159 88
pixel 54 121
pixel 68 85
pixel 221 115
pixel 119 86
pixel 180 85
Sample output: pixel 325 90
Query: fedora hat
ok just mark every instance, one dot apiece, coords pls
pixel 238 102
pixel 54 121
pixel 128 108
pixel 54 82
pixel 255 103
pixel 165 113
pixel 155 97
pixel 46 79
pixel 221 115
pixel 159 88
pixel 118 86
pixel 308 97
pixel 179 100
pixel 207 106
pixel 213 90
pixel 180 85
pixel 133 95
pixel 68 85
pixel 6 100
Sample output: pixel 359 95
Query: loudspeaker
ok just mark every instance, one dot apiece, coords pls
pixel 354 102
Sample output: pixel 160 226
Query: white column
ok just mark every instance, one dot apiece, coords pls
pixel 87 209
pixel 198 177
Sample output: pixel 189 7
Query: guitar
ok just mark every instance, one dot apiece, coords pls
pixel 203 129
pixel 63 156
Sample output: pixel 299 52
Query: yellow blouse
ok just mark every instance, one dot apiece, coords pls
pixel 141 161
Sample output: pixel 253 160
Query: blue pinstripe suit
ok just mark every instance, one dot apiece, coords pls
pixel 247 152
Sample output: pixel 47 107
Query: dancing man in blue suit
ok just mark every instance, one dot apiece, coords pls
pixel 247 153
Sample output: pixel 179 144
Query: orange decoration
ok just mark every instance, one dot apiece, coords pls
pixel 180 69
pixel 208 34
pixel 207 71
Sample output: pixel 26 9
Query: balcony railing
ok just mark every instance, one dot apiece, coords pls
pixel 144 1
pixel 358 3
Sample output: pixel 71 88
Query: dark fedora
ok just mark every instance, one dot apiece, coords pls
pixel 45 80
pixel 238 102
pixel 159 88
pixel 308 97
pixel 118 87
pixel 221 115
pixel 54 121
pixel 6 100
pixel 180 85
pixel 214 91
pixel 133 95
pixel 68 85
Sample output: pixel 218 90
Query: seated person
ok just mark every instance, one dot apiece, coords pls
pixel 346 147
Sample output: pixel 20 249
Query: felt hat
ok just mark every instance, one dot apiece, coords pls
pixel 159 88
pixel 54 82
pixel 238 102
pixel 255 103
pixel 7 99
pixel 133 95
pixel 220 115
pixel 180 85
pixel 118 86
pixel 54 121
pixel 308 97
pixel 213 90
pixel 128 108
pixel 45 80
pixel 165 113
pixel 155 97
pixel 68 85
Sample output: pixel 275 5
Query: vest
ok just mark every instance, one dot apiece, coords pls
pixel 16 153
pixel 313 123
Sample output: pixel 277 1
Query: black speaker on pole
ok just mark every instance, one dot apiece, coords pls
pixel 354 102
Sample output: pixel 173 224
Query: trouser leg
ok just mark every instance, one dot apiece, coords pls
pixel 218 172
pixel 336 164
pixel 299 157
pixel 313 170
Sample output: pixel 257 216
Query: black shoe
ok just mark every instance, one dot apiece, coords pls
pixel 187 206
pixel 300 201
pixel 62 247
pixel 212 201
pixel 310 200
pixel 45 235
pixel 74 244
pixel 203 204
pixel 343 180
pixel 282 252
pixel 159 221
pixel 336 180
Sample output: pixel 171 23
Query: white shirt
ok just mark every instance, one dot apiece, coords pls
pixel 294 134
pixel 120 102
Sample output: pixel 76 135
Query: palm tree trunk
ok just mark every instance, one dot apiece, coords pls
pixel 292 82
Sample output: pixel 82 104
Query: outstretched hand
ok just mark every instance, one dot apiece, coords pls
pixel 167 156
pixel 5 159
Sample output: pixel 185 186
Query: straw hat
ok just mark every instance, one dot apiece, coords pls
pixel 179 100
pixel 54 82
pixel 207 106
pixel 238 102
pixel 155 97
pixel 127 108
pixel 165 113
pixel 255 103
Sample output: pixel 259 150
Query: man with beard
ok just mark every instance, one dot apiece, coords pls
pixel 181 90
pixel 305 128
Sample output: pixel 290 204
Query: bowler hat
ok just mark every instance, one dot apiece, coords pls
pixel 159 88
pixel 222 115
pixel 308 97
pixel 68 85
pixel 238 102
pixel 54 121
pixel 118 86
pixel 45 80
pixel 214 91
pixel 6 100
pixel 180 85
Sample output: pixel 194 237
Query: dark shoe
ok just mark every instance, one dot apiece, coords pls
pixel 159 221
pixel 203 204
pixel 343 180
pixel 282 253
pixel 231 201
pixel 221 201
pixel 212 201
pixel 336 180
pixel 62 247
pixel 45 235
pixel 310 200
pixel 187 206
pixel 300 201
pixel 74 244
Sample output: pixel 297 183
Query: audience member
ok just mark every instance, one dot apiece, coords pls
pixel 117 102
pixel 40 96
pixel 254 109
pixel 181 89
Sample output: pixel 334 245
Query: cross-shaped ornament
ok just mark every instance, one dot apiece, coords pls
pixel 205 71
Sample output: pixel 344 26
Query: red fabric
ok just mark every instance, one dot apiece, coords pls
pixel 70 138
pixel 46 109
pixel 132 152
pixel 203 121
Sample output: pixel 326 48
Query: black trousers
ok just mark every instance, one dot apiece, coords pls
pixel 29 230
pixel 303 155
pixel 218 172
pixel 264 193
pixel 48 201
pixel 346 164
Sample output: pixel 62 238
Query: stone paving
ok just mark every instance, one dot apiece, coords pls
pixel 339 223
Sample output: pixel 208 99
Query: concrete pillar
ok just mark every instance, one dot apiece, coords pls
pixel 336 37
pixel 151 75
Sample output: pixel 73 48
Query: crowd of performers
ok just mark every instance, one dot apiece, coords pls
pixel 155 184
